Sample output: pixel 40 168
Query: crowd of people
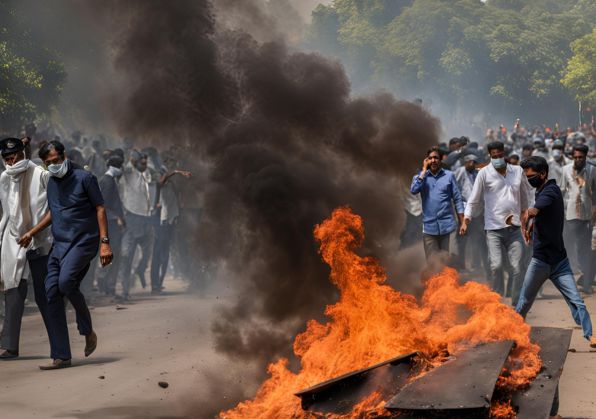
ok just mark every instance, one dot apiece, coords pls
pixel 515 206
pixel 69 207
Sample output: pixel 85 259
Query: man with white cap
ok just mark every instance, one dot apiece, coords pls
pixel 24 204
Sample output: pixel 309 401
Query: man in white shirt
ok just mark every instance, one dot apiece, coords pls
pixel 504 193
pixel 557 162
pixel 138 191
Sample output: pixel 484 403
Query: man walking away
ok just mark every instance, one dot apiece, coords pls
pixel 108 184
pixel 439 192
pixel 24 204
pixel 549 260
pixel 503 191
pixel 79 223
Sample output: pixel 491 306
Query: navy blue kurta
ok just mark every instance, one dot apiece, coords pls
pixel 72 200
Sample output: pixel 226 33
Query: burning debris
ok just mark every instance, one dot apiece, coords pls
pixel 372 323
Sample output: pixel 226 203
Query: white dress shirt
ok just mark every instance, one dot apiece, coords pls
pixel 500 196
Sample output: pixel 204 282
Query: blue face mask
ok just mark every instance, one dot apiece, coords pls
pixel 499 163
pixel 58 170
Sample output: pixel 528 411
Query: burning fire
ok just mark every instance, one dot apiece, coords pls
pixel 373 322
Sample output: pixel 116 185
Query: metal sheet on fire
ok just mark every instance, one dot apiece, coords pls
pixel 535 402
pixel 464 384
pixel 341 394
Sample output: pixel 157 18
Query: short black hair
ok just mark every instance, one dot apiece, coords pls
pixel 454 140
pixel 527 147
pixel 433 150
pixel 495 145
pixel 582 148
pixel 514 156
pixel 49 146
pixel 539 164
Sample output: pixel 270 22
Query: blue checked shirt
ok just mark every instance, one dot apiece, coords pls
pixel 439 192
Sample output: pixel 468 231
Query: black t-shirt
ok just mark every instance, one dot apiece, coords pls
pixel 548 226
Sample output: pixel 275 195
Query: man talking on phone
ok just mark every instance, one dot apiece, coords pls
pixel 439 191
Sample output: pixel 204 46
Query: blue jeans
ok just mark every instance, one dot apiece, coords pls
pixel 562 277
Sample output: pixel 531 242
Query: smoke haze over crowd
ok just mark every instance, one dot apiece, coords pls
pixel 283 140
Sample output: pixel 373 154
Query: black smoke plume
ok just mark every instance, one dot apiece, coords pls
pixel 284 144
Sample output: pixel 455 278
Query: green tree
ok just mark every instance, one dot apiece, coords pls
pixel 31 77
pixel 502 55
pixel 580 74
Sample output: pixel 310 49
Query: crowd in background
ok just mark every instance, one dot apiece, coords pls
pixel 142 199
pixel 571 157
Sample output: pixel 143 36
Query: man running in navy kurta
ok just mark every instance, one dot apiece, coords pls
pixel 79 224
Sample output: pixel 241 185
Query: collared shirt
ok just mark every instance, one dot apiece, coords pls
pixel 548 226
pixel 73 200
pixel 137 190
pixel 578 192
pixel 500 196
pixel 465 181
pixel 412 203
pixel 109 190
pixel 555 169
pixel 439 192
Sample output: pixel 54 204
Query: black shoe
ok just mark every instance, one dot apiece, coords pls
pixel 8 354
pixel 90 343
pixel 156 291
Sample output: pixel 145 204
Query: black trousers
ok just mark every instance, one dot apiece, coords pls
pixel 15 304
pixel 161 254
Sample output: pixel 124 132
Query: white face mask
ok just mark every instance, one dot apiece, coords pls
pixel 58 170
pixel 115 171
pixel 18 167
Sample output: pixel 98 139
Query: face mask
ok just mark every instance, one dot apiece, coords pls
pixel 58 170
pixel 535 181
pixel 115 171
pixel 17 168
pixel 498 163
pixel 557 154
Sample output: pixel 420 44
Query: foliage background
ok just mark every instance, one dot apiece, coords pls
pixel 31 76
pixel 473 62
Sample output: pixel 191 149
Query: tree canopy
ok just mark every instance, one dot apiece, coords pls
pixel 580 74
pixel 504 55
pixel 31 77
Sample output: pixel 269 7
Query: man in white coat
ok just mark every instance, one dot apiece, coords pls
pixel 24 203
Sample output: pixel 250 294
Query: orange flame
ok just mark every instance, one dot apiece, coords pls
pixel 373 322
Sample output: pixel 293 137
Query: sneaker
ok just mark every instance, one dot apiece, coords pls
pixel 56 364
pixel 592 342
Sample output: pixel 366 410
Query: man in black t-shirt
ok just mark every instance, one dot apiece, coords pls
pixel 549 259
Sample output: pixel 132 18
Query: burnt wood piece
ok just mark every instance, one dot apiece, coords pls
pixel 341 394
pixel 535 401
pixel 462 387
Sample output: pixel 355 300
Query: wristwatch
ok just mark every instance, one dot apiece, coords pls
pixel 105 240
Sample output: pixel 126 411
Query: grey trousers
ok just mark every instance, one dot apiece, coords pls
pixel 139 232
pixel 579 245
pixel 506 242
pixel 14 305
pixel 435 244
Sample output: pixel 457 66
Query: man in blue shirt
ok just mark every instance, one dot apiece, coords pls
pixel 79 223
pixel 549 259
pixel 439 192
